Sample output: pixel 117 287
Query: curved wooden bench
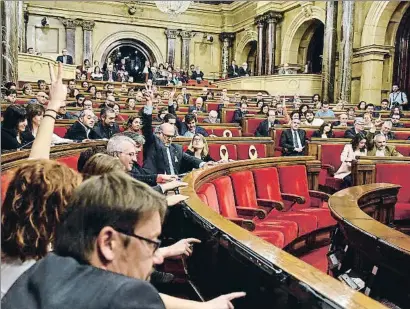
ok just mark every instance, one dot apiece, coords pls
pixel 378 254
pixel 269 266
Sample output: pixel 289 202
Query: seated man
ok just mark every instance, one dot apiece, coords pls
pixel 311 120
pixel 104 263
pixel 358 127
pixel 342 123
pixel 109 102
pixel 79 101
pixel 233 69
pixel 325 111
pixel 41 98
pixel 395 119
pixel 212 117
pixel 386 130
pixel 63 114
pixel 199 106
pixel 384 106
pixel 293 140
pixel 82 129
pixel 240 113
pixel 377 147
pixel 106 126
pixel 198 75
pixel 268 124
pixel 243 70
pixel 370 108
pixel 65 57
pixel 189 128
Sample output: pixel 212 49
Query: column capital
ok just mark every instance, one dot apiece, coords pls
pixel 69 23
pixel 186 35
pixel 88 25
pixel 171 33
pixel 230 36
pixel 259 20
pixel 272 17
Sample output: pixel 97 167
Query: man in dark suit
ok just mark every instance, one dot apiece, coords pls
pixel 83 128
pixel 198 75
pixel 198 107
pixel 107 126
pixel 160 155
pixel 190 128
pixel 268 124
pixel 240 113
pixel 386 130
pixel 293 140
pixel 109 74
pixel 243 70
pixel 185 95
pixel 65 58
pixel 357 128
pixel 233 70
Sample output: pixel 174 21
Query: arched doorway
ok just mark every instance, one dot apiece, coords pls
pixel 401 69
pixel 134 52
pixel 311 46
pixel 251 59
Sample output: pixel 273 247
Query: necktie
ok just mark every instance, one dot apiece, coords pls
pixel 296 141
pixel 171 165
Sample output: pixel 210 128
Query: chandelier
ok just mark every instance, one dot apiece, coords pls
pixel 173 8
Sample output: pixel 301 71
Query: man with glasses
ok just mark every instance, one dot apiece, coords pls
pixel 358 127
pixel 82 129
pixel 62 112
pixel 104 263
pixel 293 140
pixel 161 156
pixel 212 117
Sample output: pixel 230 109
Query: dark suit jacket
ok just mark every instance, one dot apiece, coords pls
pixel 317 134
pixel 77 132
pixel 62 282
pixel 263 128
pixel 187 97
pixel 350 133
pixel 114 76
pixel 198 130
pixel 286 142
pixel 195 75
pixel 193 108
pixel 155 154
pixel 237 116
pixel 242 72
pixel 232 72
pixel 390 135
pixel 69 59
pixel 106 132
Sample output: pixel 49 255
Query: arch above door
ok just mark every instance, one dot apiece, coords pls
pixel 121 38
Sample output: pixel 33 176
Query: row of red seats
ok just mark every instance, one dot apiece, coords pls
pixel 275 202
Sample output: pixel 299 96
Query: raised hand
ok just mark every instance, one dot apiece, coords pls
pixel 58 91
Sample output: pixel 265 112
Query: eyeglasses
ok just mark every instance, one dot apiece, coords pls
pixel 168 136
pixel 154 243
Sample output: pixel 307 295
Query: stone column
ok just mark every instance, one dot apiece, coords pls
pixel 186 42
pixel 259 58
pixel 171 38
pixel 88 26
pixel 329 53
pixel 346 51
pixel 70 25
pixel 227 40
pixel 272 19
pixel 9 41
pixel 20 26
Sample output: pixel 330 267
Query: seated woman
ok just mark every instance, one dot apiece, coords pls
pixel 48 185
pixel 357 147
pixel 92 90
pixel 134 124
pixel 27 90
pixel 97 74
pixel 368 120
pixel 303 108
pixel 35 113
pixel 199 148
pixel 263 109
pixel 340 106
pixel 117 110
pixel 325 131
pixel 361 106
pixel 12 128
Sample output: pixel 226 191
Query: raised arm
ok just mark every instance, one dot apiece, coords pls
pixel 58 92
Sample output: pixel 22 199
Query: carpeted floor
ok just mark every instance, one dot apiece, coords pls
pixel 317 258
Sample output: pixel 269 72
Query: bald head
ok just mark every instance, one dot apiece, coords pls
pixel 166 133
pixel 41 97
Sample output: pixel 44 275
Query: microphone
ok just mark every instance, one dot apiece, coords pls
pixel 25 145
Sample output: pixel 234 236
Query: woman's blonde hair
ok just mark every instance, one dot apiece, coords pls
pixel 36 198
pixel 100 164
pixel 205 150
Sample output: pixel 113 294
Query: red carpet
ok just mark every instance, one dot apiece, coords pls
pixel 317 258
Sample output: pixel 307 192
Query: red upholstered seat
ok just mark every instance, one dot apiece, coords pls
pixel 293 180
pixel 339 133
pixel 71 161
pixel 330 158
pixel 267 187
pixel 243 151
pixel 404 149
pixel 207 193
pixel 226 199
pixel 215 151
pixel 397 174
pixel 253 124
pixel 402 135
pixel 60 131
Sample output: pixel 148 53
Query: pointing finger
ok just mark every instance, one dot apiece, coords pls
pixel 235 295
pixel 193 240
